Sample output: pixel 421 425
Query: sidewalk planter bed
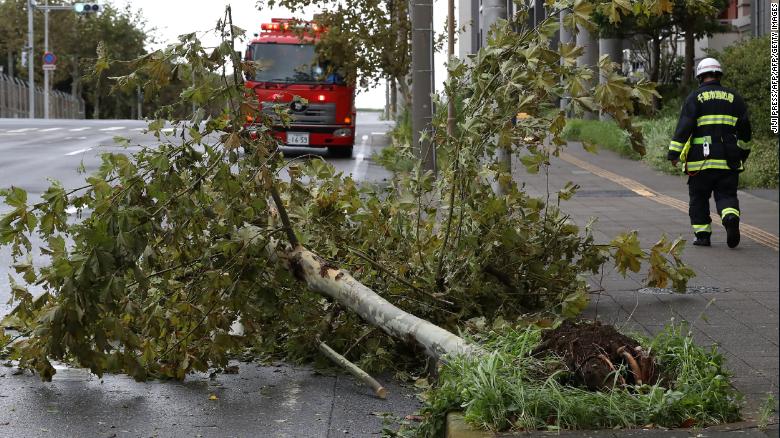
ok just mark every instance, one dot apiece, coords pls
pixel 523 384
pixel 761 170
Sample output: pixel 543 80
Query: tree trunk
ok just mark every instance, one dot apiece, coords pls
pixel 406 92
pixel 11 61
pixel 337 284
pixel 690 46
pixel 96 108
pixel 75 77
pixel 450 55
pixel 655 65
pixel 393 99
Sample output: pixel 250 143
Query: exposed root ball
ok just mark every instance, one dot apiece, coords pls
pixel 597 355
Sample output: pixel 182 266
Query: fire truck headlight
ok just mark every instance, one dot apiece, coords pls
pixel 342 132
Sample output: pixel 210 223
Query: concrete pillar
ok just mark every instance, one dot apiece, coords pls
pixel 589 57
pixel 422 80
pixel 492 11
pixel 468 19
pixel 612 47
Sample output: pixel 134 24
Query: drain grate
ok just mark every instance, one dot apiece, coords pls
pixel 688 290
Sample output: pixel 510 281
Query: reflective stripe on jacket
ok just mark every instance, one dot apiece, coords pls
pixel 716 116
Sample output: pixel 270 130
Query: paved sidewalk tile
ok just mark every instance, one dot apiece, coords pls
pixel 740 317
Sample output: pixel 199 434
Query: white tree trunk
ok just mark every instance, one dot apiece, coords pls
pixel 350 293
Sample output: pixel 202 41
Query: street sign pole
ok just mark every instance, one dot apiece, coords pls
pixel 30 60
pixel 46 76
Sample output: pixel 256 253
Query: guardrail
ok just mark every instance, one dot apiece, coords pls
pixel 14 101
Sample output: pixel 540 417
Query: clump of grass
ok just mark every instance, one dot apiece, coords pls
pixel 767 412
pixel 604 134
pixel 657 133
pixel 508 389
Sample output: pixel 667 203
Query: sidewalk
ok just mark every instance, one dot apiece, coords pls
pixel 737 307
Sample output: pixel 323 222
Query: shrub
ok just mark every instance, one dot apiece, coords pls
pixel 746 69
pixel 761 169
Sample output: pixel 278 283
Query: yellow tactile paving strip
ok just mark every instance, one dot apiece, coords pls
pixel 754 233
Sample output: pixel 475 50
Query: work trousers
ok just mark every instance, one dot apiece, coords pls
pixel 721 183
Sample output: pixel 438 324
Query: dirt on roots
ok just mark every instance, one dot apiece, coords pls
pixel 598 356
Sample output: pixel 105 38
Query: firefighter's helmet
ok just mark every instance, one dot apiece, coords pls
pixel 708 65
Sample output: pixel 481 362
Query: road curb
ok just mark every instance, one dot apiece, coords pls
pixel 456 427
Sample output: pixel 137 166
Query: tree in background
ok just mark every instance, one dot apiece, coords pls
pixel 656 21
pixel 75 39
pixel 13 37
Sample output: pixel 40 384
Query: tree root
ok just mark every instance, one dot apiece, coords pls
pixel 638 374
pixel 611 366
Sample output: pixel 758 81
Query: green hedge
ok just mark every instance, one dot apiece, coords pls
pixel 746 69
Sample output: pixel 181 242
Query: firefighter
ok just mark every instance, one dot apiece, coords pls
pixel 712 122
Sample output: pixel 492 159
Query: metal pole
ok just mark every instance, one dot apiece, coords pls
pixel 422 81
pixel 30 60
pixel 46 73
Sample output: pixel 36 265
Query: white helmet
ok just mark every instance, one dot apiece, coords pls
pixel 708 65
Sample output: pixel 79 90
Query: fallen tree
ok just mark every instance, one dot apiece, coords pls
pixel 170 245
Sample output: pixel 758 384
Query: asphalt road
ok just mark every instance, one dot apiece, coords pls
pixel 273 401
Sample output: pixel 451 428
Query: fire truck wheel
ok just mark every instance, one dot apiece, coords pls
pixel 340 152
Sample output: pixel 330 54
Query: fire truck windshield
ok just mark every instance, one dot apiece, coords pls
pixel 290 63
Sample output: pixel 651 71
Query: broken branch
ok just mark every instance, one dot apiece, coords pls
pixel 353 369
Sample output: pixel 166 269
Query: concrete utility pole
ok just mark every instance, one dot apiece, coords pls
pixel 30 59
pixel 422 80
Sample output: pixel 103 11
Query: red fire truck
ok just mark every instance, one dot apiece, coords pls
pixel 321 103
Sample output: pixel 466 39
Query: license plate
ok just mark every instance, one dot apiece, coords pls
pixel 298 138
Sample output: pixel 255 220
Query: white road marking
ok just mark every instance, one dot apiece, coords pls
pixel 23 130
pixel 139 129
pixel 360 168
pixel 75 138
pixel 113 128
pixel 80 151
pixel 50 129
pixel 78 129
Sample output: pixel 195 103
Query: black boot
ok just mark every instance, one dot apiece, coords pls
pixel 702 239
pixel 731 222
